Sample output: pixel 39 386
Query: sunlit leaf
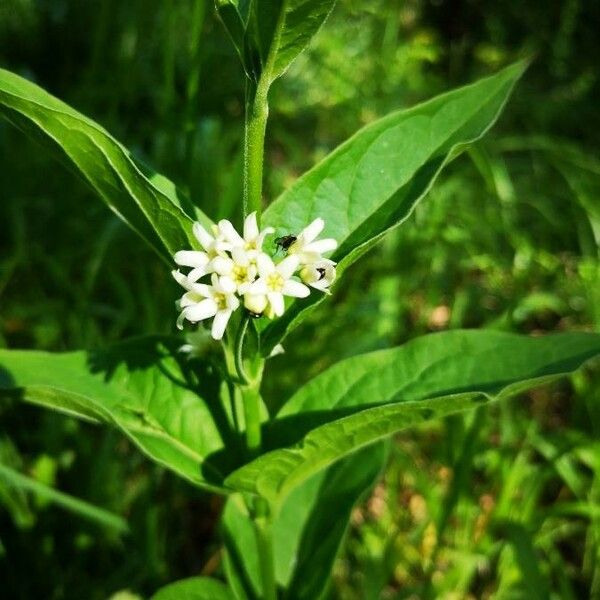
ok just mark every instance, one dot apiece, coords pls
pixel 368 397
pixel 147 201
pixel 373 181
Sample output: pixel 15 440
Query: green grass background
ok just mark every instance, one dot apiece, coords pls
pixel 500 503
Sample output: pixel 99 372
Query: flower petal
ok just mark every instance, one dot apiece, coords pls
pixel 226 285
pixel 310 232
pixel 250 227
pixel 240 257
pixel 258 287
pixel 191 258
pixel 181 279
pixel 265 264
pixel 288 265
pixel 203 310
pixel 321 246
pixel 277 303
pixel 219 323
pixel 190 298
pixel 201 289
pixel 196 274
pixel 205 239
pixel 229 233
pixel 233 302
pixel 295 289
pixel 222 265
pixel 180 320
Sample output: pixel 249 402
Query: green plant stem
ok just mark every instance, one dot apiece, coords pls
pixel 257 112
pixel 266 555
pixel 251 400
pixel 261 515
pixel 249 389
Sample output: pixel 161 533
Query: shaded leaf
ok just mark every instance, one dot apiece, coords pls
pixel 285 28
pixel 145 388
pixel 307 531
pixel 75 505
pixel 270 34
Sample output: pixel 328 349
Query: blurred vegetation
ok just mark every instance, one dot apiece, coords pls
pixel 501 503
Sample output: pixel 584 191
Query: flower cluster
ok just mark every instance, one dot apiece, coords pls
pixel 237 271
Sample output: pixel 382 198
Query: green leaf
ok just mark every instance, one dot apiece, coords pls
pixel 370 396
pixel 148 202
pixel 285 28
pixel 194 588
pixel 373 181
pixel 75 505
pixel 170 409
pixel 270 34
pixel 307 531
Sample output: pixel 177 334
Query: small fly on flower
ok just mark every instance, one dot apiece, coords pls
pixel 285 242
pixel 241 273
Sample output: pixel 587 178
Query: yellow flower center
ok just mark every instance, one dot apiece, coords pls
pixel 275 282
pixel 239 274
pixel 221 300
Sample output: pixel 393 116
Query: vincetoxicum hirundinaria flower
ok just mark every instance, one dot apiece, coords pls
pixel 241 271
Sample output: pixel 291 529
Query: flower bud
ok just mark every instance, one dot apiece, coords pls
pixel 255 303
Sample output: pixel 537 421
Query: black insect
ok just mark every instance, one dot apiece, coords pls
pixel 321 272
pixel 285 242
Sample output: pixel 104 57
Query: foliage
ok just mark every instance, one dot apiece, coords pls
pixel 532 267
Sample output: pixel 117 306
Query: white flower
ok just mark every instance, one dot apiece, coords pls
pixel 199 261
pixel 275 282
pixel 238 269
pixel 253 238
pixel 241 272
pixel 215 244
pixel 319 275
pixel 307 248
pixel 203 301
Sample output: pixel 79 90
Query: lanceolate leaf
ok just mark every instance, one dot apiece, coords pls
pixel 195 588
pixel 368 397
pixel 143 387
pixel 373 181
pixel 307 531
pixel 145 200
pixel 270 34
pixel 285 28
